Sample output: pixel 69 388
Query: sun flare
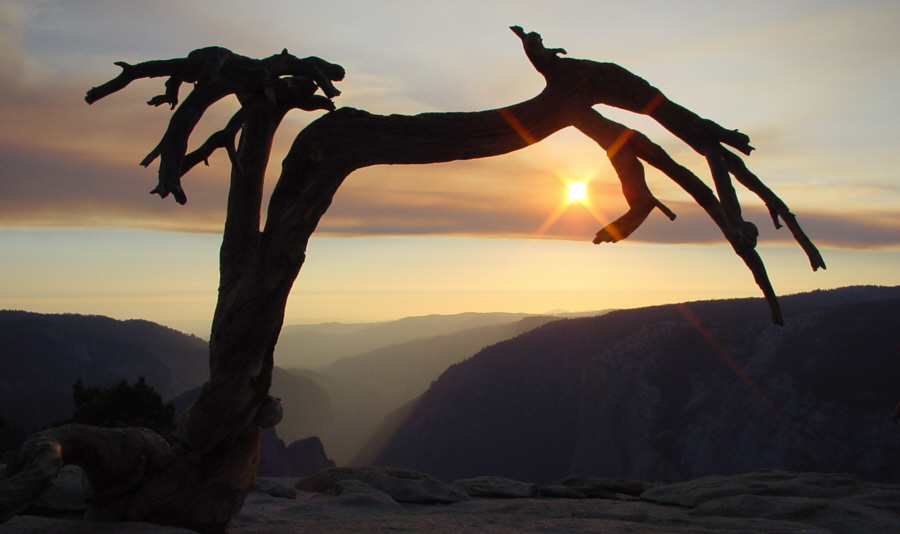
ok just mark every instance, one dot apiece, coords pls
pixel 576 191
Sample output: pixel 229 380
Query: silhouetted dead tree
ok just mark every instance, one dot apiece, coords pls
pixel 202 484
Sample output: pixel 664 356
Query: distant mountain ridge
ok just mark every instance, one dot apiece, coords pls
pixel 42 355
pixel 671 393
pixel 495 381
pixel 312 346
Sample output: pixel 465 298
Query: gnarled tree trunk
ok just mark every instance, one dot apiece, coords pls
pixel 203 482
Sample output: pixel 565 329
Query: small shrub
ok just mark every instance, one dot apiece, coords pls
pixel 123 405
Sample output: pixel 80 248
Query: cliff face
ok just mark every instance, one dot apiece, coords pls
pixel 301 458
pixel 672 393
pixel 363 389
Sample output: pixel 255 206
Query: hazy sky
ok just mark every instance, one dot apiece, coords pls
pixel 814 83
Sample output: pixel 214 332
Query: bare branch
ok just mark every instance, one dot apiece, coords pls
pixel 130 73
pixel 543 59
pixel 610 84
pixel 224 138
pixel 173 84
pixel 777 208
pixel 614 138
pixel 313 68
pixel 624 146
pixel 173 145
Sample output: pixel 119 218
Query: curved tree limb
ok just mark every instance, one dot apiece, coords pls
pixel 777 208
pixel 706 137
pixel 607 83
pixel 224 138
pixel 615 138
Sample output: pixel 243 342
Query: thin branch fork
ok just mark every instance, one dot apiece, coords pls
pixel 285 80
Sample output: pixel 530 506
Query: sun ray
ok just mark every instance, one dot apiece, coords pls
pixel 575 192
pixel 551 219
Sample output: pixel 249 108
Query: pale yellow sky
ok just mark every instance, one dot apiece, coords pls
pixel 812 82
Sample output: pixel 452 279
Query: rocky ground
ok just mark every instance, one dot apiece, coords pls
pixel 385 500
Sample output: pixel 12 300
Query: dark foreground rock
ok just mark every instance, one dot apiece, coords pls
pixel 761 502
pixel 496 488
pixel 403 485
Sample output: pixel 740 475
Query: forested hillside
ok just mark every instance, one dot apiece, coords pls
pixel 41 356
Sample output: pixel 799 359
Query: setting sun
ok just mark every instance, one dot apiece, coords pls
pixel 577 191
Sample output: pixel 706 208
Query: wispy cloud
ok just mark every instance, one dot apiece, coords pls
pixel 372 212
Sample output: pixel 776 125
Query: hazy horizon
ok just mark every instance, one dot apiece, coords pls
pixel 200 327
